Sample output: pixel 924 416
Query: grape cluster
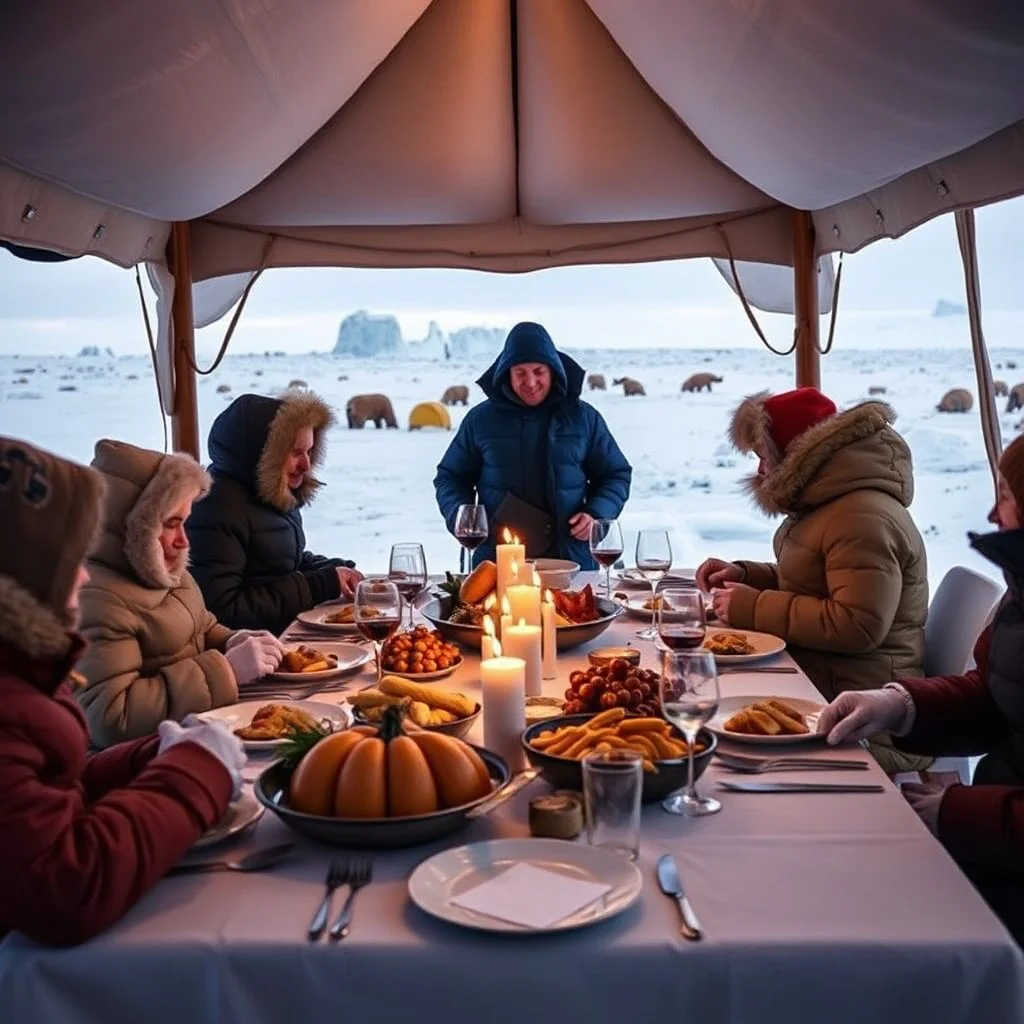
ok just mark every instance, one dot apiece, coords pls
pixel 616 685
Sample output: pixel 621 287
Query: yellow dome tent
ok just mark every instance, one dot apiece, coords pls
pixel 429 414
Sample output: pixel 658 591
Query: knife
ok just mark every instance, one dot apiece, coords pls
pixel 801 787
pixel 668 879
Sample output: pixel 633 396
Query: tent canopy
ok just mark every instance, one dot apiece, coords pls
pixel 499 134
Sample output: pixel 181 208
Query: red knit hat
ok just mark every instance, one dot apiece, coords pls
pixel 793 412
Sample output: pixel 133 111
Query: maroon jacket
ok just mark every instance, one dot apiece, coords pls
pixel 83 838
pixel 956 715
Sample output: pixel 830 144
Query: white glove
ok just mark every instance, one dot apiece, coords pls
pixel 244 634
pixel 214 737
pixel 254 657
pixel 860 714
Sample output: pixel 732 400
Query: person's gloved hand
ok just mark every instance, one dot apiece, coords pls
pixel 244 634
pixel 860 714
pixel 254 657
pixel 214 737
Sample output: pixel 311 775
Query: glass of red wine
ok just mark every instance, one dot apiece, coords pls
pixel 606 547
pixel 377 613
pixel 407 569
pixel 471 528
pixel 681 619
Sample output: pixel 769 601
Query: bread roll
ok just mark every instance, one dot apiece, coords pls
pixel 479 583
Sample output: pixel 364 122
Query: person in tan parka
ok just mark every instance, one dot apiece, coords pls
pixel 849 589
pixel 154 651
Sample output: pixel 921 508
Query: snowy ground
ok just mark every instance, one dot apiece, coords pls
pixel 686 477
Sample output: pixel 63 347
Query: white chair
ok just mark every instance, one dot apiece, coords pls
pixel 960 610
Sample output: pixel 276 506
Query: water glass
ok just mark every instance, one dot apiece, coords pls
pixel 613 781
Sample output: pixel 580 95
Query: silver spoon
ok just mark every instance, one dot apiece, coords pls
pixel 255 861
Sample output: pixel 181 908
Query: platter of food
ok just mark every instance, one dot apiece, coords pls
pixel 306 663
pixel 767 720
pixel 739 646
pixel 333 617
pixel 429 707
pixel 264 726
pixel 420 653
pixel 645 608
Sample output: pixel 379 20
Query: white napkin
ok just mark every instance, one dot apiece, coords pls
pixel 531 896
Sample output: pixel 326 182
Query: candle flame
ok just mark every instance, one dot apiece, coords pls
pixel 490 602
pixel 497 649
pixel 489 626
pixel 549 598
pixel 506 536
pixel 522 622
pixel 506 608
pixel 536 578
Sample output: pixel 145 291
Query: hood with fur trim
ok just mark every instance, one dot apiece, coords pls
pixel 853 450
pixel 143 486
pixel 251 439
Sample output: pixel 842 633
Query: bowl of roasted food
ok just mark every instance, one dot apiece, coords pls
pixel 382 786
pixel 556 748
pixel 429 707
pixel 459 607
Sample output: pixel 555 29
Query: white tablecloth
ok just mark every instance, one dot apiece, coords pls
pixel 817 908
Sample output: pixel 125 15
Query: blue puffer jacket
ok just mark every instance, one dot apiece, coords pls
pixel 559 456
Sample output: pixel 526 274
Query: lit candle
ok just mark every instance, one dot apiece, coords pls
pixel 506 616
pixel 503 680
pixel 510 556
pixel 487 641
pixel 523 641
pixel 524 602
pixel 550 639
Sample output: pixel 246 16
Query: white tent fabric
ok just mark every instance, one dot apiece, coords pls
pixel 500 134
pixel 769 287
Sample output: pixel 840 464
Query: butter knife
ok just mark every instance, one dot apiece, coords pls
pixel 738 786
pixel 671 885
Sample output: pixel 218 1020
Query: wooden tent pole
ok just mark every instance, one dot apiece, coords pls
pixel 805 301
pixel 185 418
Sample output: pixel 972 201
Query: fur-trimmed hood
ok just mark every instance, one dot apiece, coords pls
pixel 27 625
pixel 853 450
pixel 142 488
pixel 251 439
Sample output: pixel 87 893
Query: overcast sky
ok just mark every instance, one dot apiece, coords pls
pixel 54 307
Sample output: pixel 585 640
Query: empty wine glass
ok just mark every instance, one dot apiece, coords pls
pixel 682 622
pixel 407 569
pixel 377 613
pixel 471 528
pixel 689 698
pixel 653 561
pixel 606 547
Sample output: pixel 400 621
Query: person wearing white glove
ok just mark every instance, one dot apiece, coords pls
pixel 861 714
pixel 254 657
pixel 215 737
pixel 244 634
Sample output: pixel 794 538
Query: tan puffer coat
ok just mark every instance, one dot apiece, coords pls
pixel 154 651
pixel 849 589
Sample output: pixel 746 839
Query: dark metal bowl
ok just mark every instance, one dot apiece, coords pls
pixel 271 790
pixel 437 610
pixel 567 772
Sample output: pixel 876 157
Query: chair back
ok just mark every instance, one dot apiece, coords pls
pixel 958 613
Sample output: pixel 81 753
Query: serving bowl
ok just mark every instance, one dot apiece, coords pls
pixel 555 573
pixel 458 728
pixel 567 772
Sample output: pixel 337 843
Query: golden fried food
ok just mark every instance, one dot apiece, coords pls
pixel 768 717
pixel 277 722
pixel 657 603
pixel 728 643
pixel 347 616
pixel 307 659
pixel 419 651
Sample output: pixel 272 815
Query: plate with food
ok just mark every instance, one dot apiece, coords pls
pixel 240 816
pixel 422 654
pixel 767 720
pixel 309 662
pixel 334 617
pixel 265 725
pixel 644 608
pixel 738 646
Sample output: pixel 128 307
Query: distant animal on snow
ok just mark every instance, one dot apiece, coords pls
pixel 629 386
pixel 877 389
pixel 700 381
pixel 1016 398
pixel 596 382
pixel 957 400
pixel 375 409
pixel 223 389
pixel 457 394
pixel 298 383
pixel 1001 389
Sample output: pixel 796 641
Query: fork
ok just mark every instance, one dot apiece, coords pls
pixel 360 873
pixel 756 765
pixel 337 875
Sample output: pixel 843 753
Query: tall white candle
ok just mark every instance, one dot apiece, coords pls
pixel 503 681
pixel 509 556
pixel 523 641
pixel 524 603
pixel 506 616
pixel 550 638
pixel 487 641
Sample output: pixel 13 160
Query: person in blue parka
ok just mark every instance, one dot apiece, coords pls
pixel 541 461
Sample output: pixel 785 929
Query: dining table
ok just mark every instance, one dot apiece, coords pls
pixel 815 907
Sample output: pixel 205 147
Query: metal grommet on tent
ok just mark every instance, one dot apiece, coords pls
pixel 942 188
pixel 29 212
pixel 835 230
pixel 879 216
pixel 100 231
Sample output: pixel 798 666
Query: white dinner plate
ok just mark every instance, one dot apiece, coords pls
pixel 351 657
pixel 315 617
pixel 241 815
pixel 436 881
pixel 634 608
pixel 728 706
pixel 675 578
pixel 236 716
pixel 765 645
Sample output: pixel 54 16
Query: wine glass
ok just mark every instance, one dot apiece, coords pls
pixel 689 698
pixel 407 569
pixel 606 547
pixel 681 618
pixel 471 528
pixel 653 561
pixel 377 613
